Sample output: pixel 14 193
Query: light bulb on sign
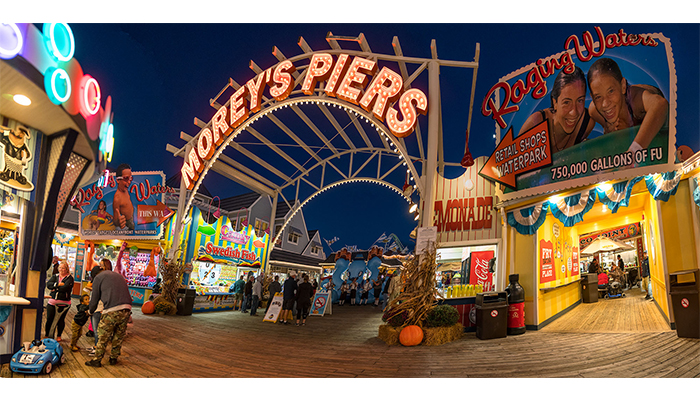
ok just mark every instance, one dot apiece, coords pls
pixel 469 185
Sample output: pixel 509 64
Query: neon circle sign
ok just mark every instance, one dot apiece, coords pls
pixel 11 41
pixel 59 42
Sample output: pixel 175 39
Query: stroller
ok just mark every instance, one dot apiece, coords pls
pixel 614 290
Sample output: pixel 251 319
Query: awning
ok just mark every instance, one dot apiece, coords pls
pixel 453 266
pixel 296 266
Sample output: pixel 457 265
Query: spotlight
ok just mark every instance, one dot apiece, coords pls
pixel 413 207
pixel 417 216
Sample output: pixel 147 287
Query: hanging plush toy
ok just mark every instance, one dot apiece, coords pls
pixel 151 267
pixel 90 256
pixel 118 268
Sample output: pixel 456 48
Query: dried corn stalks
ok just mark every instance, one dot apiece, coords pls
pixel 418 292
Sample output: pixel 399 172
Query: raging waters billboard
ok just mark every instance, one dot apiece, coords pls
pixel 604 104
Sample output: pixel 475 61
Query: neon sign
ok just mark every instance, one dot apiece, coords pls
pixel 12 38
pixel 345 79
pixel 51 52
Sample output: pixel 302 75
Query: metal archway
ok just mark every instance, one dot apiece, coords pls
pixel 251 149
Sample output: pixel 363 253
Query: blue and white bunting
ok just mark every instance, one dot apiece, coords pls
pixel 617 195
pixel 570 209
pixel 527 220
pixel 663 186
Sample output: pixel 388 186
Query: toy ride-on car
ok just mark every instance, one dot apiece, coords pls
pixel 38 356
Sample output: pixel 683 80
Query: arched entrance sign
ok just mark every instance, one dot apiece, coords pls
pixel 369 110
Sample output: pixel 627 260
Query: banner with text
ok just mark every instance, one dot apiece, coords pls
pixel 604 104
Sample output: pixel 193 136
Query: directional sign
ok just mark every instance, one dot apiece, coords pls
pixel 512 157
pixel 157 213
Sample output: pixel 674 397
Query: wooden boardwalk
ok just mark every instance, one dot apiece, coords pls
pixel 234 345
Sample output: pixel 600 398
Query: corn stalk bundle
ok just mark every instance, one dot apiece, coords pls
pixel 418 292
pixel 171 269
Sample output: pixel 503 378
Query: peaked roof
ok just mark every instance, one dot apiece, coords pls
pixel 174 182
pixel 236 203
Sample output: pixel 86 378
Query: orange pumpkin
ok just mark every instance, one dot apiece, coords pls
pixel 148 307
pixel 411 335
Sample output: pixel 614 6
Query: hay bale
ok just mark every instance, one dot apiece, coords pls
pixel 389 334
pixel 442 335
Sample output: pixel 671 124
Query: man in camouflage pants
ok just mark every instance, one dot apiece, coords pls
pixel 111 288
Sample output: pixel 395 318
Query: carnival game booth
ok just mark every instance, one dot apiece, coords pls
pixel 56 131
pixel 134 248
pixel 218 256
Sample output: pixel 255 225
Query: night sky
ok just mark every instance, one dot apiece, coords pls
pixel 161 76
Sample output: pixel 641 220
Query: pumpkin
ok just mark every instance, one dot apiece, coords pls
pixel 148 307
pixel 411 335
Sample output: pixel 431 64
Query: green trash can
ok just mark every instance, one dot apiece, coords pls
pixel 685 299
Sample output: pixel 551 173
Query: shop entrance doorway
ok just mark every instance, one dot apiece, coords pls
pixel 632 312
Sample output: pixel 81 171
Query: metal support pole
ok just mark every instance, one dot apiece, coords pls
pixel 428 211
pixel 180 210
pixel 273 215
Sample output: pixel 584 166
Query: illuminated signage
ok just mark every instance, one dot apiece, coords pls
pixel 535 80
pixel 51 52
pixel 345 78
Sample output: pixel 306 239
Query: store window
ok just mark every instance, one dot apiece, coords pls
pixel 293 237
pixel 234 224
pixel 260 227
pixel 278 228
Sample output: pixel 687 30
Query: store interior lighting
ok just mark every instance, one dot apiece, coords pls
pixel 22 100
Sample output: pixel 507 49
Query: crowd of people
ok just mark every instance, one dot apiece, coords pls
pixel 621 276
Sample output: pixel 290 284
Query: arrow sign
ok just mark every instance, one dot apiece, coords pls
pixel 512 157
pixel 147 214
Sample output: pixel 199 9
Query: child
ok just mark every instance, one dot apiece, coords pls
pixel 79 320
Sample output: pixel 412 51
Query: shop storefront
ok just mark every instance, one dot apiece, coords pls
pixel 557 197
pixel 468 236
pixel 56 132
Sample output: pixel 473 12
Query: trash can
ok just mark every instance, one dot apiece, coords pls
pixel 491 315
pixel 589 287
pixel 185 301
pixel 685 299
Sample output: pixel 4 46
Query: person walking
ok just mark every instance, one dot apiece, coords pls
pixel 61 288
pixel 256 296
pixel 303 297
pixel 288 297
pixel 79 320
pixel 377 286
pixel 238 293
pixel 110 288
pixel 274 288
pixel 645 277
pixel 247 294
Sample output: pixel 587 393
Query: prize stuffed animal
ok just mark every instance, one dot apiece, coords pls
pixel 118 268
pixel 90 262
pixel 151 267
